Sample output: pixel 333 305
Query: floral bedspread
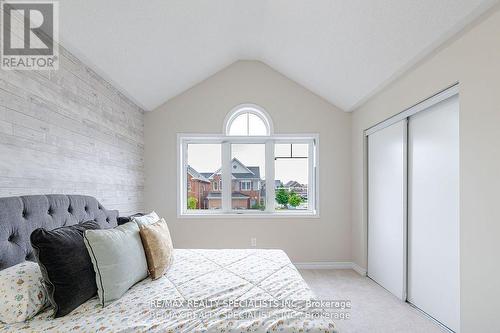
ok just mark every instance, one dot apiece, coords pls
pixel 203 291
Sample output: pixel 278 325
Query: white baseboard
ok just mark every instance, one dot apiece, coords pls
pixel 324 265
pixel 360 270
pixel 331 265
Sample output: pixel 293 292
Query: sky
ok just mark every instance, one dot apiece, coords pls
pixel 207 158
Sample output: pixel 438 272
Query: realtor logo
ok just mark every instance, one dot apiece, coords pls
pixel 30 35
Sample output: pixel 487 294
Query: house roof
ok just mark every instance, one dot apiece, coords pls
pixel 255 170
pixel 245 176
pixel 206 174
pixel 293 183
pixel 252 172
pixel 196 175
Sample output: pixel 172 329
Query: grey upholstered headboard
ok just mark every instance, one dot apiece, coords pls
pixel 19 216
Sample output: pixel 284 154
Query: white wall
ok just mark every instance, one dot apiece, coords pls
pixel 69 131
pixel 473 59
pixel 294 110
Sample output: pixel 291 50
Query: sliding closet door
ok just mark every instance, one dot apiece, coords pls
pixel 433 208
pixel 386 207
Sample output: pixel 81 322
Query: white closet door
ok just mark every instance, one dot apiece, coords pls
pixel 433 212
pixel 387 208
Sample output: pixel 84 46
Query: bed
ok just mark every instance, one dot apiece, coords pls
pixel 203 291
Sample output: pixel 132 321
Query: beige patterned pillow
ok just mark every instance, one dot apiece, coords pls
pixel 22 293
pixel 158 247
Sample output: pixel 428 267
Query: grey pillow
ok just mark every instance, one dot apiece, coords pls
pixel 118 258
pixel 69 277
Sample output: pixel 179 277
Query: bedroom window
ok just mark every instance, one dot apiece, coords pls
pixel 247 120
pixel 248 170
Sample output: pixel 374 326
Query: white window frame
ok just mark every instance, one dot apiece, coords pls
pixel 183 140
pixel 248 109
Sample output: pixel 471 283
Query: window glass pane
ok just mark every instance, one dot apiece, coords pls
pixel 203 176
pixel 256 125
pixel 300 150
pixel 291 150
pixel 239 125
pixel 282 150
pixel 291 181
pixel 248 176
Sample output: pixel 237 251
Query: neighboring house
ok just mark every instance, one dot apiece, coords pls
pixel 296 187
pixel 277 184
pixel 248 189
pixel 197 187
pixel 239 200
pixel 245 185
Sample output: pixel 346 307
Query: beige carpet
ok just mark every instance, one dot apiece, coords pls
pixel 373 308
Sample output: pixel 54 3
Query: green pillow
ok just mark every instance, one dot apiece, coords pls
pixel 118 258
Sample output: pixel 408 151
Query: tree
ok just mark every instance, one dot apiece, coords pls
pixel 192 203
pixel 259 205
pixel 294 200
pixel 282 196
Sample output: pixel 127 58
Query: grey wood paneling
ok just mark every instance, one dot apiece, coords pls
pixel 69 131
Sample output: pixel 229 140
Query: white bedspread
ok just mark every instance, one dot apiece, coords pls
pixel 203 275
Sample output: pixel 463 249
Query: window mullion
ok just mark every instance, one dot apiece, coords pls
pixel 183 178
pixel 226 177
pixel 269 176
pixel 311 187
pixel 248 123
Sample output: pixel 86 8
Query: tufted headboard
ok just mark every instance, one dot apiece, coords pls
pixel 19 216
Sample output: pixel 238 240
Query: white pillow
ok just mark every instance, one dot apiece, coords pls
pixel 22 293
pixel 146 219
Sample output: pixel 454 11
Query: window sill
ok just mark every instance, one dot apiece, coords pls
pixel 263 215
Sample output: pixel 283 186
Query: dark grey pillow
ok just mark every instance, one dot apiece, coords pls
pixel 65 264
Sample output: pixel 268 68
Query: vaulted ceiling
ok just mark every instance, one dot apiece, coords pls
pixel 342 50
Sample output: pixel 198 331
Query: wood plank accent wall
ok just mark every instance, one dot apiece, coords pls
pixel 71 132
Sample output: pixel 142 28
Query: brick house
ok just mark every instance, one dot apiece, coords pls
pixel 197 187
pixel 246 187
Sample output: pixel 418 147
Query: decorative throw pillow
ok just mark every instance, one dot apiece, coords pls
pixel 125 219
pixel 67 271
pixel 157 246
pixel 146 219
pixel 118 258
pixel 22 293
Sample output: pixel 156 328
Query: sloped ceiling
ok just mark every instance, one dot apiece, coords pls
pixel 342 50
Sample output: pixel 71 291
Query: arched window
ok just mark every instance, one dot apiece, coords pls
pixel 247 169
pixel 248 120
